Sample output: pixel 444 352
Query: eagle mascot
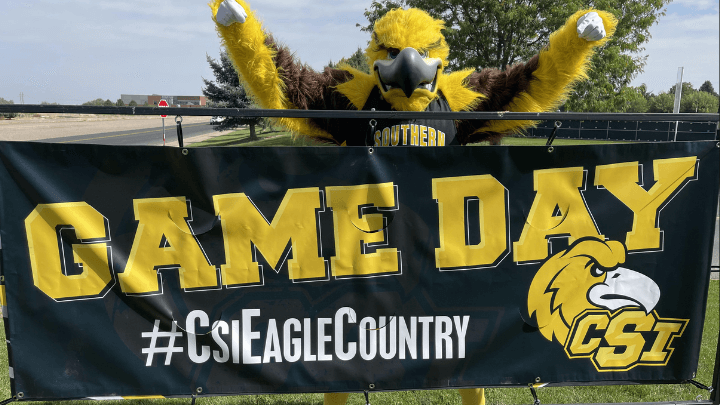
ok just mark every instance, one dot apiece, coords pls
pixel 407 56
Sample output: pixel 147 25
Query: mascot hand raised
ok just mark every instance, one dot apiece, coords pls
pixel 408 59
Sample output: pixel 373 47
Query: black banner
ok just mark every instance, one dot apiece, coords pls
pixel 163 271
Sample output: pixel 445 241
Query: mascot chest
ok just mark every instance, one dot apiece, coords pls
pixel 404 132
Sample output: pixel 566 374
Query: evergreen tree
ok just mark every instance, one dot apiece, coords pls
pixel 708 88
pixel 226 91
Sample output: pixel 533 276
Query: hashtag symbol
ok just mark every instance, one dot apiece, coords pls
pixel 168 350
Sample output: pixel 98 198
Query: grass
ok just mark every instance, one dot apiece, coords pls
pixel 557 395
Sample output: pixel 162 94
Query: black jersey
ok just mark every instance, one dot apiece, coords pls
pixel 403 132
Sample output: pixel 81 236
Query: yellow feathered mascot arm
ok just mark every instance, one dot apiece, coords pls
pixel 268 72
pixel 541 84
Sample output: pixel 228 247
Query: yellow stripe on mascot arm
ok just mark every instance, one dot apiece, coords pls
pixel 563 62
pixel 253 54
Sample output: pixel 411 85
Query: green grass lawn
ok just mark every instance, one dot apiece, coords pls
pixel 560 395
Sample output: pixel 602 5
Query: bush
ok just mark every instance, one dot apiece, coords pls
pixel 7 115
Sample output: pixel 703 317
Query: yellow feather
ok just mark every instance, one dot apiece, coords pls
pixel 562 63
pixel 458 95
pixel 253 60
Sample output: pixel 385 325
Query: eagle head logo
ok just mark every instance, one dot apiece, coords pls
pixel 585 276
pixel 407 54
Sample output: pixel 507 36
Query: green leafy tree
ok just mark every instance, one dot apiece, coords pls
pixel 97 101
pixel 699 102
pixel 120 103
pixel 707 87
pixel 662 103
pixel 7 115
pixel 687 88
pixel 492 33
pixel 357 60
pixel 108 103
pixel 227 92
pixel 635 100
pixel 133 103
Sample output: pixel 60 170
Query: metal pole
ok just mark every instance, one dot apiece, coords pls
pixel 163 131
pixel 678 96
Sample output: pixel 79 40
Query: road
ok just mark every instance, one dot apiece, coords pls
pixel 147 136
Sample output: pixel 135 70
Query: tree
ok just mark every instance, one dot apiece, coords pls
pixel 662 103
pixel 120 103
pixel 108 103
pixel 708 88
pixel 699 102
pixel 7 115
pixel 492 33
pixel 357 60
pixel 226 91
pixel 635 100
pixel 97 101
pixel 133 103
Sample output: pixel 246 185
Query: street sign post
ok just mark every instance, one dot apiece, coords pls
pixel 163 103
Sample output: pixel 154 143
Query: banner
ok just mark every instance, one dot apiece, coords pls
pixel 164 271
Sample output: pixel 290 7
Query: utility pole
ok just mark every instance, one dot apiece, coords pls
pixel 22 98
pixel 678 96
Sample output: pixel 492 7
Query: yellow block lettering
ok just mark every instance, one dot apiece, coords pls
pixel 354 230
pixel 575 346
pixel 622 181
pixel 164 240
pixel 423 135
pixel 405 128
pixel 432 141
pixel 44 227
pixel 558 209
pixel 617 337
pixel 451 194
pixel 414 135
pixel 294 222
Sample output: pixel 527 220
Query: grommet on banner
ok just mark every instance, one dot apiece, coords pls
pixel 178 121
pixel 550 140
pixel 371 150
pixel 185 152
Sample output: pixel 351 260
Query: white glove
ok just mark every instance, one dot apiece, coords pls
pixel 590 27
pixel 230 12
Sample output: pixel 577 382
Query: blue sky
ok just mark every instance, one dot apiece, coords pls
pixel 72 51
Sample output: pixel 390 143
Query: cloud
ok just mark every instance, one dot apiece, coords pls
pixel 685 37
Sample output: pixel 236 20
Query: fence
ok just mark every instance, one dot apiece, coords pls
pixel 641 131
pixel 595 125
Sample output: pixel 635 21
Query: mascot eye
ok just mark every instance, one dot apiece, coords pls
pixel 393 53
pixel 596 272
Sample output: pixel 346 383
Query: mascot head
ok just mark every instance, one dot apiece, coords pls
pixel 586 276
pixel 407 54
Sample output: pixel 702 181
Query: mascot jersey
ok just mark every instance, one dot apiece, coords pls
pixel 407 57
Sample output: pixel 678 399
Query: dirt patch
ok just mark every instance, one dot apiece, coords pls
pixel 33 127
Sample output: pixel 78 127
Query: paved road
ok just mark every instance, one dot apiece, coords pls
pixel 148 136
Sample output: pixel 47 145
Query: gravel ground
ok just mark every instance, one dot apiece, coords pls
pixel 31 128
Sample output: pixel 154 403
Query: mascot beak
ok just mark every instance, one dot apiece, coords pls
pixel 408 72
pixel 625 288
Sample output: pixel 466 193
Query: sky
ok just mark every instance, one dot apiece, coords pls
pixel 73 51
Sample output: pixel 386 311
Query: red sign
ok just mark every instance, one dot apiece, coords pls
pixel 163 103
